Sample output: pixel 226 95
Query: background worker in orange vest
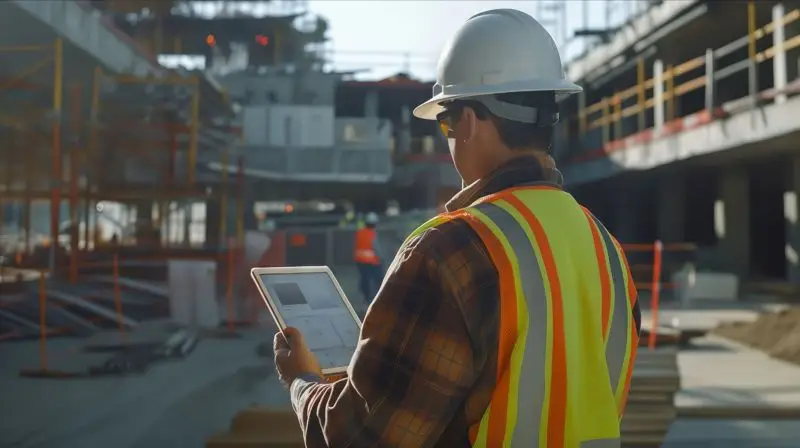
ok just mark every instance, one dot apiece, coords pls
pixel 511 320
pixel 366 254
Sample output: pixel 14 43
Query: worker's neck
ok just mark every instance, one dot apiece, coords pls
pixel 498 158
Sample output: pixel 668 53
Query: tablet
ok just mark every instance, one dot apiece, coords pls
pixel 310 299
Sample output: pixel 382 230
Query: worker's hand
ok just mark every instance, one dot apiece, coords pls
pixel 292 356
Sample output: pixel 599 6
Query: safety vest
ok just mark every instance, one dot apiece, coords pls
pixel 364 251
pixel 567 339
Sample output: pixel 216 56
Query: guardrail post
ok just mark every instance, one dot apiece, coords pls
pixel 606 122
pixel 751 50
pixel 658 97
pixel 710 84
pixel 641 94
pixel 779 59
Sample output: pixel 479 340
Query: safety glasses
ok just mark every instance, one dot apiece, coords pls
pixel 445 120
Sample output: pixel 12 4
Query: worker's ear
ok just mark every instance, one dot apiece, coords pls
pixel 469 125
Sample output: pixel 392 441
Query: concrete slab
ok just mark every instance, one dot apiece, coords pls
pixel 176 404
pixel 721 373
pixel 709 433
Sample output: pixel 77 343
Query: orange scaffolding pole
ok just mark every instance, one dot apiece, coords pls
pixel 75 91
pixel 42 322
pixel 118 295
pixel 193 137
pixel 58 73
pixel 223 202
pixel 658 247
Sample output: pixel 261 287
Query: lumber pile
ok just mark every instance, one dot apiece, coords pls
pixel 260 428
pixel 651 399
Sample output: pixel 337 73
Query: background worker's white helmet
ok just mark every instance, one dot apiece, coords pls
pixel 494 52
pixel 372 218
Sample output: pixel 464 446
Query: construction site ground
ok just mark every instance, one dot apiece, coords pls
pixel 182 403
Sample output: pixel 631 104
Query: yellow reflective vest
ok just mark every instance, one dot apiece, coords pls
pixel 567 334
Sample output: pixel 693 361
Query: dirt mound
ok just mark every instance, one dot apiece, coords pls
pixel 777 334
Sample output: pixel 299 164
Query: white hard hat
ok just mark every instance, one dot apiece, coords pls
pixel 372 218
pixel 494 52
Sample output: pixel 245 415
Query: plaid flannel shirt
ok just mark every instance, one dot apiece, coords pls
pixel 424 369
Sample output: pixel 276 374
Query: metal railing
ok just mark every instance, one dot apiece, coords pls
pixel 654 99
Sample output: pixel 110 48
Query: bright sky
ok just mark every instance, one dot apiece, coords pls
pixel 385 35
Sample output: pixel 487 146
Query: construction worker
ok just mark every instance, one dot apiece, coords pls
pixel 511 320
pixel 366 256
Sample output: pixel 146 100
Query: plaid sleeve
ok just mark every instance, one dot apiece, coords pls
pixel 414 364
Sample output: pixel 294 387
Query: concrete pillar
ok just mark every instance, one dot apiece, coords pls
pixel 791 213
pixel 213 223
pixel 779 59
pixel 732 220
pixel 671 208
pixel 371 104
pixel 658 97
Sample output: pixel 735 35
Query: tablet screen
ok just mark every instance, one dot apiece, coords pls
pixel 310 302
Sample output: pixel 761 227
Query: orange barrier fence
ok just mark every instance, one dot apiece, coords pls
pixel 650 264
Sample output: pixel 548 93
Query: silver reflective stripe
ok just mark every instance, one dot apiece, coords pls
pixel 617 344
pixel 532 378
pixel 602 443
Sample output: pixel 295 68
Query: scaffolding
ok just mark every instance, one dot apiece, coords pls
pixel 106 137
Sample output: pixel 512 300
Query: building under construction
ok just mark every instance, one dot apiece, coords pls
pixel 146 143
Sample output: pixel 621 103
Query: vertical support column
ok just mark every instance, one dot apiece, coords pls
pixel 670 96
pixel 779 68
pixel 658 97
pixel 710 82
pixel 371 104
pixel 791 214
pixel 582 125
pixel 195 128
pixel 751 49
pixel 223 202
pixel 214 222
pixel 671 208
pixel 73 183
pixel 640 75
pixel 606 122
pixel 732 220
pixel 55 187
pixel 617 117
pixel 188 219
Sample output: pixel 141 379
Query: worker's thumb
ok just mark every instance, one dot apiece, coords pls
pixel 294 337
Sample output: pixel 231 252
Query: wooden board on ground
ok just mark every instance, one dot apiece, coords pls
pixel 262 428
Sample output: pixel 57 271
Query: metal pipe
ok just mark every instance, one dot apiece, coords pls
pixel 92 149
pixel 751 49
pixel 24 48
pixel 73 184
pixel 58 94
pixel 26 72
pixel 195 125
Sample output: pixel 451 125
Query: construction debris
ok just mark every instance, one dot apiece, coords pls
pixel 651 399
pixel 775 333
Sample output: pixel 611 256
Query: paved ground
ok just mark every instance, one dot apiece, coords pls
pixel 180 404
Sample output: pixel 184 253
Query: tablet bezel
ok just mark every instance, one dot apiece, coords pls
pixel 255 274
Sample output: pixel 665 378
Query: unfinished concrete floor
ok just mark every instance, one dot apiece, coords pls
pixel 180 404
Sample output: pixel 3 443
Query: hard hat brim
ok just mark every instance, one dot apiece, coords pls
pixel 433 107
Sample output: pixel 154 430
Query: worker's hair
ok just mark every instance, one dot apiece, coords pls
pixel 515 134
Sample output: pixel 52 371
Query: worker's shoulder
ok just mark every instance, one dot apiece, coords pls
pixel 444 238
